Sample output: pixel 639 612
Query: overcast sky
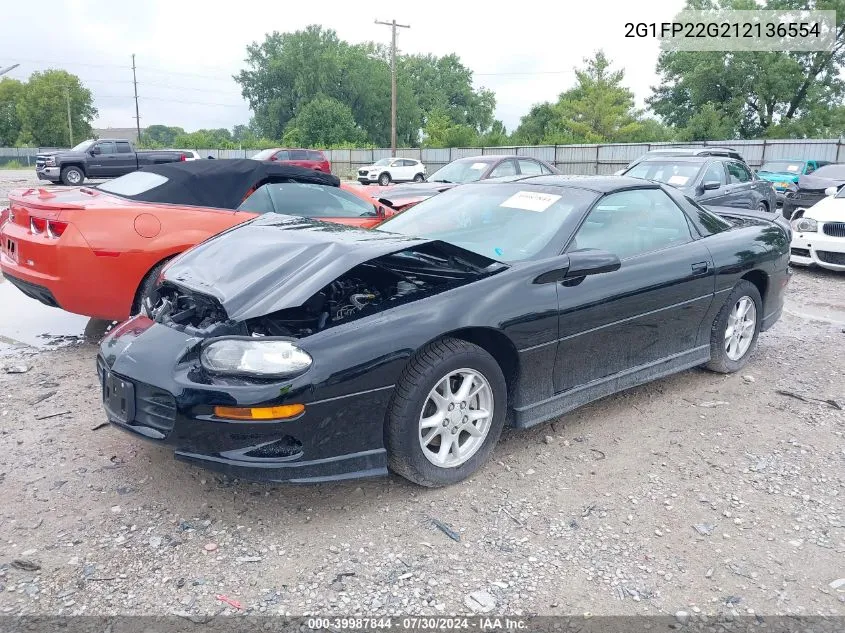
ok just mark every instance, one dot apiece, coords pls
pixel 186 51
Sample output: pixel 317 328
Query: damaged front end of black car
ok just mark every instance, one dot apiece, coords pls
pixel 258 353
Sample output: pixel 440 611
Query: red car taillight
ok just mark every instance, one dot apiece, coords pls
pixel 56 228
pixel 37 225
pixel 182 157
pixel 53 228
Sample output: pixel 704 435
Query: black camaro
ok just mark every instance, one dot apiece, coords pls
pixel 291 350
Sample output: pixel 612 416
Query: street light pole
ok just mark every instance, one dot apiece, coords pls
pixel 393 26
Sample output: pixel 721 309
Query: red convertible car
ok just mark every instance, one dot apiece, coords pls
pixel 95 251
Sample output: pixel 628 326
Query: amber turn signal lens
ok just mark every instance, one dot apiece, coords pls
pixel 260 413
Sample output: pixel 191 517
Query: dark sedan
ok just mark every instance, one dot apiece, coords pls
pixel 710 180
pixel 470 169
pixel 813 188
pixel 292 350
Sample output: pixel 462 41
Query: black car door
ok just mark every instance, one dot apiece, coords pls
pixel 647 312
pixel 102 159
pixel 124 160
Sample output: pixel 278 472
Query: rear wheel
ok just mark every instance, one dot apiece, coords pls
pixel 763 207
pixel 384 179
pixel 735 330
pixel 446 414
pixel 419 178
pixel 72 176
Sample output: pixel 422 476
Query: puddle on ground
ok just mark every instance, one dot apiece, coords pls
pixel 26 324
pixel 815 311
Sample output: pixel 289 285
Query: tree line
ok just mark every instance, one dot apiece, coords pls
pixel 309 88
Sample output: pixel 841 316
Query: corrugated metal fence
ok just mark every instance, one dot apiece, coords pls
pixel 569 159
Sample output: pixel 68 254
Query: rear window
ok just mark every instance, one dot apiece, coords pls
pixel 134 183
pixel 299 154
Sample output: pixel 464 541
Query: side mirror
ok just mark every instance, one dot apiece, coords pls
pixel 831 191
pixel 576 264
pixel 710 185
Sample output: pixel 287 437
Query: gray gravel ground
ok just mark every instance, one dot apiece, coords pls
pixel 700 493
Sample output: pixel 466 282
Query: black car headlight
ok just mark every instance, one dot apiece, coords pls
pixel 263 357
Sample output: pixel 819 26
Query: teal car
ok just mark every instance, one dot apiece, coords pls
pixel 783 173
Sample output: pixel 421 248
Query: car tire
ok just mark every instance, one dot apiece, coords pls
pixel 384 179
pixel 446 363
pixel 419 178
pixel 763 207
pixel 146 286
pixel 72 176
pixel 729 349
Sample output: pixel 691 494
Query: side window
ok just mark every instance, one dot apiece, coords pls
pixel 738 172
pixel 316 156
pixel 123 147
pixel 505 168
pixel 258 202
pixel 298 154
pixel 530 168
pixel 715 172
pixel 629 223
pixel 408 163
pixel 810 168
pixel 283 155
pixel 106 147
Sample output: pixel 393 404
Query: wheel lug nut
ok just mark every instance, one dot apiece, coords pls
pixel 451 406
pixel 445 422
pixel 466 419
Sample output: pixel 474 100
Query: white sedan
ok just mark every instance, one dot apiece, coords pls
pixel 389 170
pixel 818 236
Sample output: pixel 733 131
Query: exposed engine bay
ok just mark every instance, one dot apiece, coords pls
pixel 368 288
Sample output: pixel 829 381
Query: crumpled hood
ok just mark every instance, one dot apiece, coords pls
pixel 811 181
pixel 829 209
pixel 277 261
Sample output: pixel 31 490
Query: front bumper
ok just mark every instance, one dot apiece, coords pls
pixel 171 402
pixel 809 249
pixel 53 174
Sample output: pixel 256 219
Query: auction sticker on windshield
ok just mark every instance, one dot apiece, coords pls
pixel 478 165
pixel 531 201
pixel 679 181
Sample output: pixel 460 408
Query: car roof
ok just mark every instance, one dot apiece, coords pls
pixel 598 184
pixel 489 158
pixel 682 159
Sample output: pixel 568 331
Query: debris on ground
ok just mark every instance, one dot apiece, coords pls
pixel 448 531
pixel 26 564
pixel 480 601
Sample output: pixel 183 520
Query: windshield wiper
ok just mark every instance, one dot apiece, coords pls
pixel 448 182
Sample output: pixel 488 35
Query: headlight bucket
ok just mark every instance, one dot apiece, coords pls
pixel 262 357
pixel 805 225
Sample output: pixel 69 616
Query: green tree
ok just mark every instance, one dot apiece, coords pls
pixel 43 109
pixel 219 138
pixel 11 94
pixel 598 109
pixel 161 135
pixel 752 93
pixel 323 122
pixel 441 131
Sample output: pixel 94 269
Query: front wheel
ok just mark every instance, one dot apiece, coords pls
pixel 446 414
pixel 763 207
pixel 735 330
pixel 72 176
pixel 384 179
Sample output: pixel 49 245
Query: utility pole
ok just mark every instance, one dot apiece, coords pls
pixel 137 115
pixel 69 124
pixel 393 26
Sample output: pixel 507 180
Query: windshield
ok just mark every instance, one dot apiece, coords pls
pixel 668 172
pixel 783 167
pixel 382 163
pixel 311 201
pixel 264 154
pixel 460 171
pixel 508 222
pixel 83 146
pixel 133 183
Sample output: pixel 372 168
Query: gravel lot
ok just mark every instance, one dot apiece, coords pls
pixel 700 493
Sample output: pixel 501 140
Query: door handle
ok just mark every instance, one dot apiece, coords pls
pixel 700 267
